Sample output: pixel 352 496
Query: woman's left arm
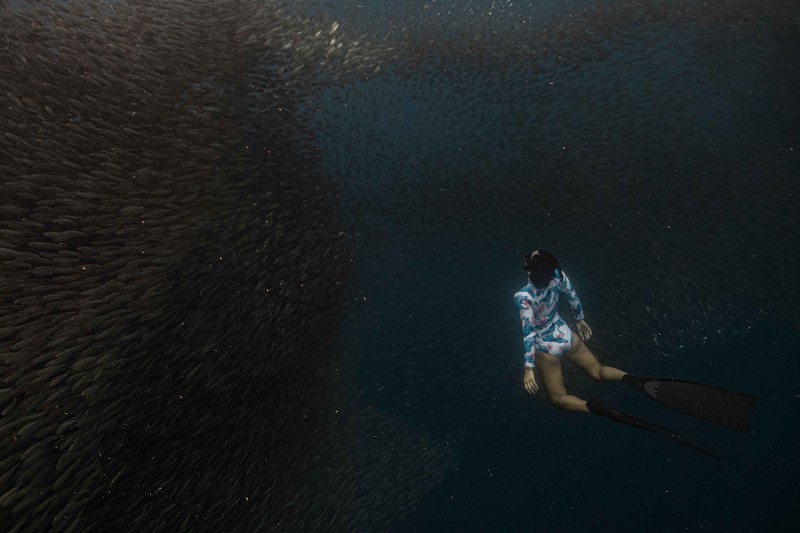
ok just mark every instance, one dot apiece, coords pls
pixel 577 309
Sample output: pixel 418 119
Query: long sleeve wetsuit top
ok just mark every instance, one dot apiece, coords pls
pixel 542 327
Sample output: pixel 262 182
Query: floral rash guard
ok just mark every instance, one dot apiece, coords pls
pixel 542 327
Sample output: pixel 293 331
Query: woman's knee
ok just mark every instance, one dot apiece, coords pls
pixel 595 372
pixel 583 358
pixel 571 403
pixel 559 400
pixel 591 367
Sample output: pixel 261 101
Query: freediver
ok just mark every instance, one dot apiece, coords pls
pixel 548 340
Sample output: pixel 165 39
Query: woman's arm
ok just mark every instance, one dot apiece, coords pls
pixel 529 380
pixel 523 304
pixel 575 304
pixel 584 330
pixel 572 297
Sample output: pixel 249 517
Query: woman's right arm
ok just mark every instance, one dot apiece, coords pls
pixel 523 304
pixel 529 380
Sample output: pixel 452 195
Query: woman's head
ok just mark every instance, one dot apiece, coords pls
pixel 541 266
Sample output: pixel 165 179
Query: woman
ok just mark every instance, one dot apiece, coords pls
pixel 548 339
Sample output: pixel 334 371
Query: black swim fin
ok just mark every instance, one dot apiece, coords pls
pixel 600 409
pixel 722 406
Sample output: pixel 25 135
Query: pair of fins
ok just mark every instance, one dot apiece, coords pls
pixel 728 408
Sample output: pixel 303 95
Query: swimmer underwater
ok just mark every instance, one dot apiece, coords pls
pixel 548 340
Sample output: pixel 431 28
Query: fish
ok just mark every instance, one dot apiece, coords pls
pixel 177 234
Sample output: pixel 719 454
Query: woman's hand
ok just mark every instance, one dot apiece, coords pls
pixel 584 330
pixel 530 381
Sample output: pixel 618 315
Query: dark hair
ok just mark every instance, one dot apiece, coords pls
pixel 541 266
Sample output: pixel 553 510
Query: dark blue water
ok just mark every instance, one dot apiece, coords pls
pixel 661 168
pixel 285 302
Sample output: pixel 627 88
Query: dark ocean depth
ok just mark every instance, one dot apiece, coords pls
pixel 659 163
pixel 258 260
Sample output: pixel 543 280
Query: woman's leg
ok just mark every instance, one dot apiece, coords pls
pixel 553 379
pixel 583 358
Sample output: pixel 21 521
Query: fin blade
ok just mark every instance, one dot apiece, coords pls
pixel 724 407
pixel 599 408
pixel 731 409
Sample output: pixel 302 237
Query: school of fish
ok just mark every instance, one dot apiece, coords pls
pixel 174 256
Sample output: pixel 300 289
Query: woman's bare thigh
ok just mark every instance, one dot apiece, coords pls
pixel 581 356
pixel 552 376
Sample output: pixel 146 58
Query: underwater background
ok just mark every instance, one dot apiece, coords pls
pixel 258 259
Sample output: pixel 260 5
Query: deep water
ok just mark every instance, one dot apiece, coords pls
pixel 258 259
pixel 663 173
